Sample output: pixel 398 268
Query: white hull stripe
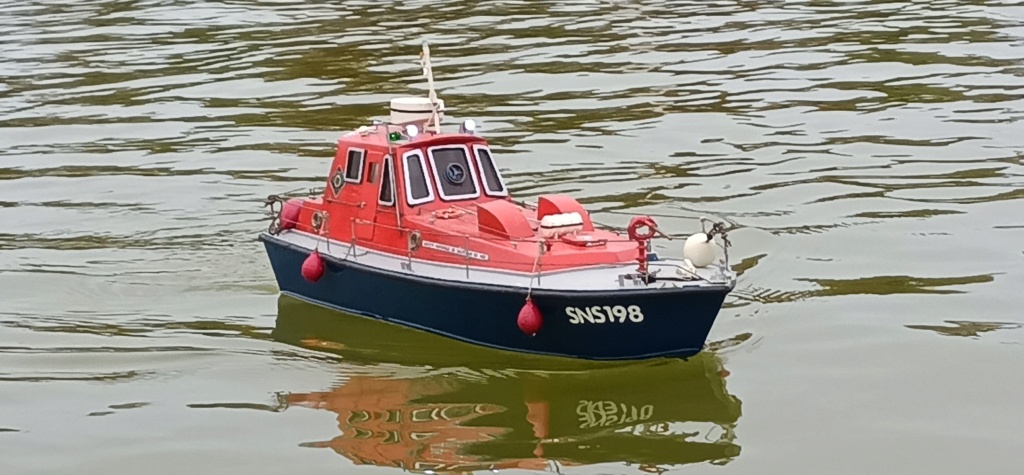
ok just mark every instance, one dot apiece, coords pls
pixel 598 277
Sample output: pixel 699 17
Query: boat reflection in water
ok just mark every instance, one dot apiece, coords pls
pixel 420 402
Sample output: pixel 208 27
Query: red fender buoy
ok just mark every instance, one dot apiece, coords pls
pixel 529 320
pixel 313 267
pixel 290 213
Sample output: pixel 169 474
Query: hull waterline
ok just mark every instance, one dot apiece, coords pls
pixel 651 323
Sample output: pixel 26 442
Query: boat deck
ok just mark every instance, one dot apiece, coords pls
pixel 600 277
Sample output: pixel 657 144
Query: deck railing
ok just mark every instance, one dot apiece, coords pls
pixel 416 237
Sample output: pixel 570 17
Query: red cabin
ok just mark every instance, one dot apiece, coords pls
pixel 440 197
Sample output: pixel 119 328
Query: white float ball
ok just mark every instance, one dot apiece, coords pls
pixel 699 250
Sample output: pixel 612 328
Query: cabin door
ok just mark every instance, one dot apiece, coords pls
pixel 386 231
pixel 366 212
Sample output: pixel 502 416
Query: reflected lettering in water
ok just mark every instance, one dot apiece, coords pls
pixel 420 402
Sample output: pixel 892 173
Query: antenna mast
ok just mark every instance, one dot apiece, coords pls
pixel 429 73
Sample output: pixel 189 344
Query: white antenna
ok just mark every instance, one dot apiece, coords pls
pixel 429 73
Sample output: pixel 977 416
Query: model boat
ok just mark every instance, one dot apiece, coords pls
pixel 416 226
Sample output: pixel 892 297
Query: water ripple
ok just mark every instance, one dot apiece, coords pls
pixel 868 154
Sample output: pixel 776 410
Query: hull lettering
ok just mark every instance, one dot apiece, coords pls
pixel 455 250
pixel 604 314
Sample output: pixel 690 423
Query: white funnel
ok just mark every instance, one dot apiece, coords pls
pixel 414 110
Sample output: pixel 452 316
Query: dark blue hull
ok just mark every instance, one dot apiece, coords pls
pixel 650 322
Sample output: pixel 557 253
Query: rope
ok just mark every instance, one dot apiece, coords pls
pixel 534 273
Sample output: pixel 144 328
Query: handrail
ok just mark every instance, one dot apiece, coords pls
pixel 467 256
pixel 474 236
pixel 360 204
pixel 717 228
pixel 533 267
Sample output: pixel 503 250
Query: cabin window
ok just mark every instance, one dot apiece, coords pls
pixel 456 412
pixel 422 415
pixel 421 435
pixel 358 416
pixel 362 433
pixel 393 437
pixel 387 190
pixel 493 183
pixel 354 165
pixel 417 187
pixel 455 177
